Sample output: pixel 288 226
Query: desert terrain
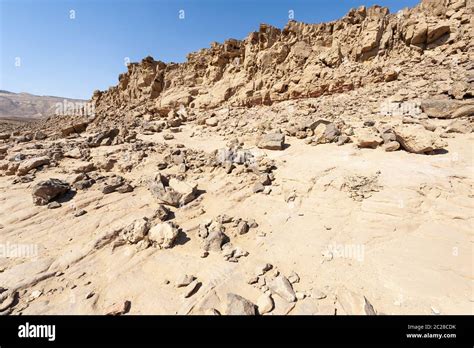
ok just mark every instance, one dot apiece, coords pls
pixel 318 169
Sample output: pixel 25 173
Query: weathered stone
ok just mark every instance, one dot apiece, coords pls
pixel 273 141
pixel 184 280
pixel 136 231
pixel 416 139
pixel 32 163
pixel 164 234
pixel 172 192
pixel 45 191
pixel 265 304
pixel 191 289
pixel 367 138
pixel 119 308
pixel 435 31
pixel 237 305
pixel 282 287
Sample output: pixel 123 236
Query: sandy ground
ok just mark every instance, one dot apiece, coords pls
pixel 404 235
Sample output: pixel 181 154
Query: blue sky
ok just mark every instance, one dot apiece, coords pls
pixel 44 51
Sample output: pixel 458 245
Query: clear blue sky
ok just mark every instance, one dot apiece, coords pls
pixel 73 57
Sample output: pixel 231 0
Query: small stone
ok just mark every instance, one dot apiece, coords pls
pixel 118 308
pixel 293 278
pixel 79 212
pixel 282 287
pixel 212 122
pixel 54 205
pixel 265 304
pixel 318 294
pixel 258 187
pixel 237 305
pixel 242 227
pixel 272 141
pixel 262 269
pixel 191 289
pixel 35 294
pixel 252 280
pixel 300 295
pixel 185 280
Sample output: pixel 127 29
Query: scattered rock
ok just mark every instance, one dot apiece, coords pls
pixel 164 234
pixel 272 141
pixel 184 280
pixel 191 289
pixel 118 308
pixel 367 138
pixel 45 191
pixel 282 287
pixel 54 205
pixel 172 191
pixel 136 231
pixel 416 139
pixel 265 304
pixel 32 163
pixel 237 305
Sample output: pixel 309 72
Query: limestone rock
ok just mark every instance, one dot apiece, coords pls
pixel 416 139
pixel 265 304
pixel 367 138
pixel 172 191
pixel 164 234
pixel 32 163
pixel 272 141
pixel 282 287
pixel 45 191
pixel 237 305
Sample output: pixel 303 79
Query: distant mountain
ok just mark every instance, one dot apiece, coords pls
pixel 25 106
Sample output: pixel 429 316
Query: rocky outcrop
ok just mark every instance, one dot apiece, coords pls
pixel 301 60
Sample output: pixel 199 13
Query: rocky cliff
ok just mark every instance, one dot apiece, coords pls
pixel 367 46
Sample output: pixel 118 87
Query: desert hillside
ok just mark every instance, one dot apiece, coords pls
pixel 29 107
pixel 314 169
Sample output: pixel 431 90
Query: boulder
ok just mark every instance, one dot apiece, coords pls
pixel 435 31
pixel 237 305
pixel 172 191
pixel 265 304
pixel 272 141
pixel 391 146
pixel 83 167
pixel 136 231
pixel 367 138
pixel 445 108
pixel 416 139
pixel 31 163
pixel 103 138
pixel 463 111
pixel 45 191
pixel 118 308
pixel 163 235
pixel 282 287
pixel 212 122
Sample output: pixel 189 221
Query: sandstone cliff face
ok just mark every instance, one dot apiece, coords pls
pixel 300 61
